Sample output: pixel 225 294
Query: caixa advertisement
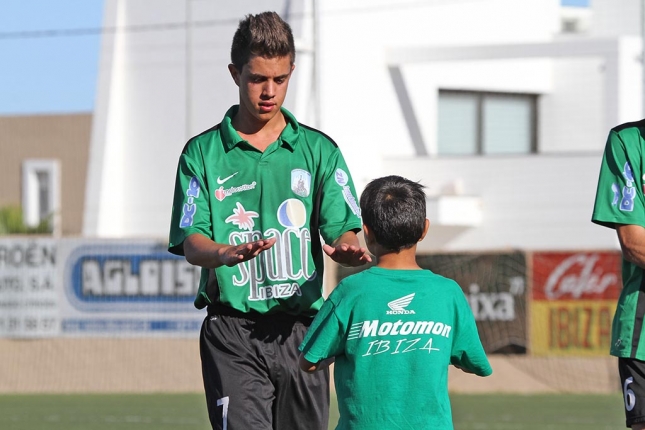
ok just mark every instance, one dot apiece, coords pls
pixel 73 287
pixel 574 300
pixel 495 286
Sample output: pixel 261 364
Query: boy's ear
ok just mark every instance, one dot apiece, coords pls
pixel 366 232
pixel 426 225
pixel 235 74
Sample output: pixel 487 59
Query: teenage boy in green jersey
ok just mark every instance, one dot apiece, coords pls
pixel 252 197
pixel 394 328
pixel 620 204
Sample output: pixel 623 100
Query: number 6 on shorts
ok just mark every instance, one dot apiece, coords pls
pixel 630 398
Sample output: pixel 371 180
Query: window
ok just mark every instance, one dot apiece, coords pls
pixel 486 123
pixel 570 25
pixel 41 193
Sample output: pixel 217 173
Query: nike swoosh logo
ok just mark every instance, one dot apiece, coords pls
pixel 221 181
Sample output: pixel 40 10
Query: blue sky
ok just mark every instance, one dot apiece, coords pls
pixel 56 73
pixel 579 3
pixel 48 74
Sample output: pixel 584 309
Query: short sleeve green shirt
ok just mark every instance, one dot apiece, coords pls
pixel 620 200
pixel 297 190
pixel 394 333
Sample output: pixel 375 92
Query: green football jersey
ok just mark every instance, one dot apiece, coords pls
pixel 394 333
pixel 297 190
pixel 620 200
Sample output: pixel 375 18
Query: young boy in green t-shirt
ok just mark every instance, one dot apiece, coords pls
pixel 394 328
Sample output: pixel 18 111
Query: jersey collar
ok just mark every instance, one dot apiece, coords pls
pixel 288 137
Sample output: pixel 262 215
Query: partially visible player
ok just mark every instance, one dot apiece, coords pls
pixel 253 196
pixel 394 328
pixel 620 204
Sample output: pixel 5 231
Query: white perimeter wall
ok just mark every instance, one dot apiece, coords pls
pixel 616 18
pixel 527 202
pixel 354 51
pixel 149 101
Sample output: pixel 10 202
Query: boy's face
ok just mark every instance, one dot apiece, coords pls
pixel 263 86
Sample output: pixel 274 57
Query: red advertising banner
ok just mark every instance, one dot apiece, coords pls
pixel 576 276
pixel 574 299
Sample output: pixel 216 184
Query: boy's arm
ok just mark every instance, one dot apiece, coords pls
pixel 340 214
pixel 346 250
pixel 632 243
pixel 470 356
pixel 202 251
pixel 463 369
pixel 310 367
pixel 479 366
pixel 467 351
pixel 323 340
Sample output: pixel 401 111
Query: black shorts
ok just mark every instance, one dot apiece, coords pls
pixel 632 379
pixel 251 375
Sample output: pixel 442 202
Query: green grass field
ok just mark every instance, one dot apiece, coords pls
pixel 187 411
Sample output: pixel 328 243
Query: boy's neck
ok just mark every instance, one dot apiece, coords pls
pixel 259 134
pixel 402 260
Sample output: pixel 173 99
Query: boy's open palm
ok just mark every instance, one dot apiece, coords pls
pixel 236 254
pixel 348 255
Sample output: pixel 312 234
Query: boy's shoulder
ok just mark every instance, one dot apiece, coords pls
pixel 630 126
pixel 372 292
pixel 354 281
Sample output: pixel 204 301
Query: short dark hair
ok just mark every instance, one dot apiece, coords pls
pixel 264 35
pixel 394 209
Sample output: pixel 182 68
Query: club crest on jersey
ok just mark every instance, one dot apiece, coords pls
pixel 399 306
pixel 242 218
pixel 301 182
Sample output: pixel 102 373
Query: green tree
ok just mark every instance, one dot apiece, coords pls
pixel 11 222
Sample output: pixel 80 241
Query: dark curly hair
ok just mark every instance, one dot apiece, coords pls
pixel 394 209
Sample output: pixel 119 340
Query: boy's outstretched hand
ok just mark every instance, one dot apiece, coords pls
pixel 235 254
pixel 202 251
pixel 347 255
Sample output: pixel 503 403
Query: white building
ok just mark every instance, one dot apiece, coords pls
pixel 500 107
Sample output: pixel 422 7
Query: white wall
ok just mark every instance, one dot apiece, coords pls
pixel 355 40
pixel 528 202
pixel 154 93
pixel 571 114
pixel 425 79
pixel 616 18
